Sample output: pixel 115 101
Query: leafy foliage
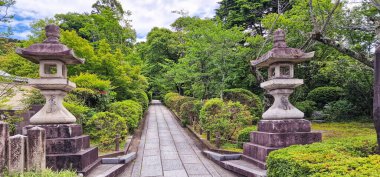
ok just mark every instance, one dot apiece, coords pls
pixel 43 173
pixel 190 111
pixel 130 110
pixel 306 107
pixel 226 118
pixel 336 157
pixel 104 126
pixel 324 95
pixel 247 98
pixel 245 134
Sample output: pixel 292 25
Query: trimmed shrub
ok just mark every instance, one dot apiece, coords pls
pixel 339 110
pixel 336 157
pixel 172 101
pixel 324 95
pixel 168 95
pixel 104 126
pixel 252 101
pixel 141 97
pixel 307 107
pixel 190 110
pixel 210 112
pixel 180 102
pixel 81 112
pixel 150 96
pixel 130 110
pixel 244 134
pixel 226 118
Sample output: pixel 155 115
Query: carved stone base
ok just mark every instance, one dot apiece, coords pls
pixel 277 134
pixel 67 148
pixel 53 111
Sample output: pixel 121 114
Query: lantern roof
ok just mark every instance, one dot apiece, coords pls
pixel 50 49
pixel 281 53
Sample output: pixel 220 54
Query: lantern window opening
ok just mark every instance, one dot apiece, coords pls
pixel 50 68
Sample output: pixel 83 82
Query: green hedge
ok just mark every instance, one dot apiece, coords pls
pixel 190 110
pixel 180 102
pixel 246 97
pixel 349 157
pixel 142 98
pixel 324 95
pixel 227 118
pixel 104 126
pixel 168 96
pixel 130 110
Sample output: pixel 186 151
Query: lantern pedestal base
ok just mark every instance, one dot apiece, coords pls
pixel 68 148
pixel 277 134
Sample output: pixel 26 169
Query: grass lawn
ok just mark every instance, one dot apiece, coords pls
pixel 329 131
pixel 344 129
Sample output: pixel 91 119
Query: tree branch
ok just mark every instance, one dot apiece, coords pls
pixel 332 43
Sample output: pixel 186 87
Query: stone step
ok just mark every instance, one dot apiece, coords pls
pixel 78 161
pixel 237 163
pixel 112 167
pixel 284 139
pixel 245 168
pixel 67 145
pixel 107 170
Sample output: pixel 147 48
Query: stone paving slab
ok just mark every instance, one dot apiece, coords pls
pixel 167 150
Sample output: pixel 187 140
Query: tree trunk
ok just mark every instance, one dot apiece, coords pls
pixel 376 99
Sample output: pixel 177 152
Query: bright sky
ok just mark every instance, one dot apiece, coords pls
pixel 146 14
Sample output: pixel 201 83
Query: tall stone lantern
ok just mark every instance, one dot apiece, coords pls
pixel 282 124
pixel 52 57
pixel 66 146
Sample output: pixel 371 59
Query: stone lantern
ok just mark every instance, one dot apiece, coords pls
pixel 282 124
pixel 52 57
pixel 66 146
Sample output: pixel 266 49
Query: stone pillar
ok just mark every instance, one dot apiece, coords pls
pixel 4 135
pixel 16 153
pixel 36 149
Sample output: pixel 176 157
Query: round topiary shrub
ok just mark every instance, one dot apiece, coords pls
pixel 306 107
pixel 182 100
pixel 210 112
pixel 168 95
pixel 190 111
pixel 142 98
pixel 252 101
pixel 324 95
pixel 225 118
pixel 172 101
pixel 339 110
pixel 130 110
pixel 104 126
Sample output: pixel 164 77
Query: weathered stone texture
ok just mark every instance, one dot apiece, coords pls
pixel 4 135
pixel 36 149
pixel 16 153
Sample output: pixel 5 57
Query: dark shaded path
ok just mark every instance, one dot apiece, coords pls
pixel 166 150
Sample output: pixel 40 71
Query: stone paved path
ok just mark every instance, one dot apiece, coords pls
pixel 167 150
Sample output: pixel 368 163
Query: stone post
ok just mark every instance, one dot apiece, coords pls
pixel 36 149
pixel 117 142
pixel 4 135
pixel 217 140
pixel 16 153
